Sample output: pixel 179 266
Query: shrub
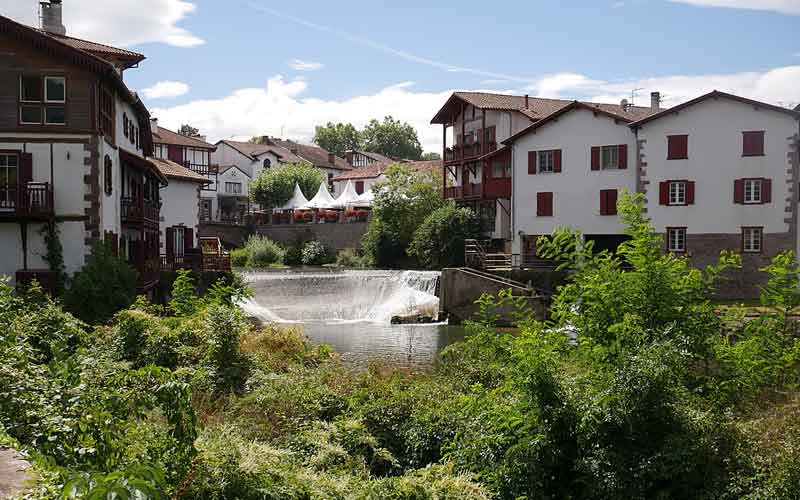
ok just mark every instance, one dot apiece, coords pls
pixel 239 257
pixel 315 254
pixel 104 286
pixel 224 327
pixel 439 241
pixel 274 186
pixel 294 255
pixel 349 258
pixel 262 252
pixel 184 301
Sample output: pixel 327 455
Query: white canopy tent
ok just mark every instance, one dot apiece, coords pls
pixel 298 200
pixel 348 196
pixel 365 200
pixel 322 200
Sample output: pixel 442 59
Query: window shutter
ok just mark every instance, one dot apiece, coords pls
pixel 690 192
pixel 623 156
pixel 544 204
pixel 557 160
pixel 603 202
pixel 766 190
pixel 753 143
pixel 188 238
pixel 738 191
pixel 663 193
pixel 677 147
pixel 595 157
pixel 170 241
pixel 531 162
pixel 549 205
pixel 611 202
pixel 26 168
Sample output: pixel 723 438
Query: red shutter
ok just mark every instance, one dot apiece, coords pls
pixel 690 192
pixel 595 157
pixel 611 203
pixel 531 162
pixel 170 241
pixel 753 143
pixel 677 147
pixel 663 193
pixel 603 202
pixel 544 204
pixel 738 191
pixel 26 168
pixel 188 238
pixel 557 160
pixel 623 156
pixel 360 185
pixel 766 190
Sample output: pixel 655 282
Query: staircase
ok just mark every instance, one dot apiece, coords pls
pixel 476 256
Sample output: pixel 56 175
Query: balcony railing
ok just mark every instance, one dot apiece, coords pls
pixel 471 149
pixel 34 199
pixel 207 170
pixel 139 210
pixel 471 190
pixel 197 262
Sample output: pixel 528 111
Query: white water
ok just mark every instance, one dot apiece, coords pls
pixel 341 296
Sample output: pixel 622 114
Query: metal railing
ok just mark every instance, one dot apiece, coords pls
pixel 139 209
pixel 475 255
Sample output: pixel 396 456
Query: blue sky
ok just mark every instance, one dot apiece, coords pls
pixel 227 66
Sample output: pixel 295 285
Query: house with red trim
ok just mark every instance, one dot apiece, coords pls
pixel 74 142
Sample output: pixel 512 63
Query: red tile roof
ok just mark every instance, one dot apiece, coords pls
pixel 253 150
pixel 98 49
pixel 371 171
pixel 172 170
pixel 164 136
pixel 426 165
pixel 313 154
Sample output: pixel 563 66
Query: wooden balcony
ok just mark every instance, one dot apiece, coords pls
pixel 206 170
pixel 139 211
pixel 469 191
pixel 33 200
pixel 497 188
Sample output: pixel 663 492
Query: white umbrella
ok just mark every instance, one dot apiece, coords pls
pixel 322 199
pixel 348 196
pixel 298 200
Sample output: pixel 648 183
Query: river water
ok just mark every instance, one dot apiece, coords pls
pixel 351 311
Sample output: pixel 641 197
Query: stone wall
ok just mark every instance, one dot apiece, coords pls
pixel 336 236
pixel 232 236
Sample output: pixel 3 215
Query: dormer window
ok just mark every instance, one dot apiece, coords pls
pixel 42 100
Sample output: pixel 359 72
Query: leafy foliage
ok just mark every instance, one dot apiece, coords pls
pixel 392 138
pixel 315 253
pixel 349 258
pixel 189 131
pixel 263 252
pixel 105 285
pixel 275 186
pixel 337 138
pixel 439 240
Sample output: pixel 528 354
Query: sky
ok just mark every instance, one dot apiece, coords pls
pixel 238 68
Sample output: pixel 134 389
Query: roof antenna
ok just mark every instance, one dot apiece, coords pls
pixel 634 94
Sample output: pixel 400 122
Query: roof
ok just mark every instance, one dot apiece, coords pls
pixel 595 108
pixel 371 171
pixel 426 165
pixel 252 150
pixel 224 169
pixel 98 49
pixel 537 107
pixel 165 136
pixel 313 154
pixel 374 156
pixel 172 170
pixel 715 94
pixel 145 164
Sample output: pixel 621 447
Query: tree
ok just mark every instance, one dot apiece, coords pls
pixel 275 186
pixel 258 139
pixel 337 138
pixel 392 138
pixel 431 156
pixel 401 204
pixel 189 131
pixel 439 241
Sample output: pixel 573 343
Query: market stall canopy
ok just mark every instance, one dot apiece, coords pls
pixel 365 200
pixel 348 196
pixel 298 200
pixel 322 199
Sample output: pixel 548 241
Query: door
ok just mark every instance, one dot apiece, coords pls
pixel 9 171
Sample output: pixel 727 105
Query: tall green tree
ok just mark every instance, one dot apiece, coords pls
pixel 392 138
pixel 431 156
pixel 275 186
pixel 439 241
pixel 337 137
pixel 189 131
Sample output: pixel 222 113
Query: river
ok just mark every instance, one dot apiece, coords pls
pixel 351 311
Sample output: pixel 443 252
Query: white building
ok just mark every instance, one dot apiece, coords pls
pixel 233 195
pixel 74 140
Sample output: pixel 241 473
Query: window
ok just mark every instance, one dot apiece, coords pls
pixel 677 193
pixel 42 100
pixel 125 123
pixel 546 161
pixel 108 182
pixel 360 187
pixel 107 111
pixel 610 157
pixel 752 239
pixel 9 170
pixel 752 190
pixel 677 147
pixel 267 163
pixel 501 169
pixel 753 143
pixel 608 202
pixel 544 204
pixel 233 187
pixel 676 239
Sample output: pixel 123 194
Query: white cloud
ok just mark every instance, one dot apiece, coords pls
pixel 117 22
pixel 166 89
pixel 283 108
pixel 617 5
pixel 300 65
pixel 781 6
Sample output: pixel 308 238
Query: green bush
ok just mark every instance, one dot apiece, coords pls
pixel 239 257
pixel 104 286
pixel 349 258
pixel 263 252
pixel 439 241
pixel 294 255
pixel 315 253
pixel 274 186
pixel 224 327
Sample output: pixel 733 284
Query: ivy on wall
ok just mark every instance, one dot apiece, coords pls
pixel 54 254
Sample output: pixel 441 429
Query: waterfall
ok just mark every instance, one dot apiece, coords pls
pixel 341 296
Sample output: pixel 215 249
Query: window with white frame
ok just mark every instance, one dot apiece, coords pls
pixel 9 165
pixel 752 239
pixel 676 239
pixel 42 100
pixel 610 157
pixel 752 191
pixel 546 161
pixel 677 193
pixel 178 242
pixel 233 187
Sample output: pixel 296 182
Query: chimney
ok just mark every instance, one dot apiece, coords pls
pixel 526 101
pixel 154 124
pixel 51 17
pixel 655 101
pixel 331 158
